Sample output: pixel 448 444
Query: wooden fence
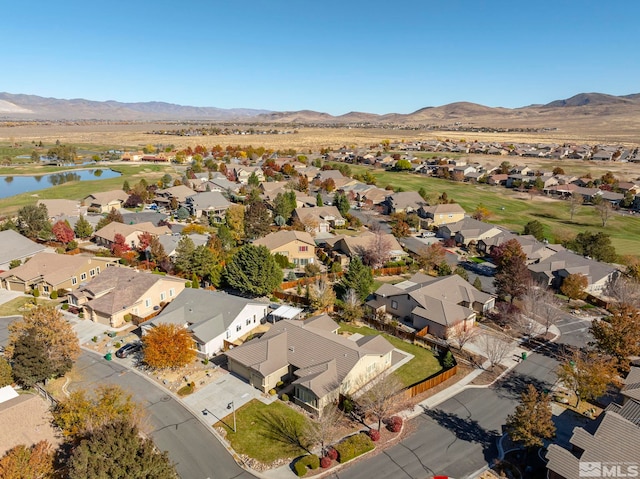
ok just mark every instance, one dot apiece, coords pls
pixel 292 298
pixel 431 382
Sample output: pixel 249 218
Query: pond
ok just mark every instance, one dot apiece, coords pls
pixel 14 185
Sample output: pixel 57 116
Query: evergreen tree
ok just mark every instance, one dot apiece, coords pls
pixel 125 186
pixel 477 283
pixel 341 202
pixel 358 277
pixel 183 258
pixel 253 270
pixel 535 229
pixel 532 422
pixel 83 228
pixel 319 201
pixel 33 221
pixel 257 220
pixel 6 373
pixel 512 274
pixel 30 362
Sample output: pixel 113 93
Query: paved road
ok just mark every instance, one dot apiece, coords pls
pixel 196 452
pixel 574 330
pixel 458 437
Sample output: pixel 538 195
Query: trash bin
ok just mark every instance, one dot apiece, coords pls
pixel 524 356
pixel 108 356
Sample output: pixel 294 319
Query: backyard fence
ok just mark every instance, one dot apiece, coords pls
pixel 431 382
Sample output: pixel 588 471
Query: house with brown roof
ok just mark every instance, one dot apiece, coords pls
pixel 437 215
pixel 106 235
pixel 468 230
pixel 297 246
pixel 404 202
pixel 350 246
pixel 16 247
pixel 178 193
pixel 319 364
pixel 438 305
pixel 243 173
pixel 60 208
pixel 105 201
pixel 535 250
pixel 319 219
pixel 120 294
pixel 49 272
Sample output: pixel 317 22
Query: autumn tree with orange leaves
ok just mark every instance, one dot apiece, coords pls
pixel 22 461
pixel 168 346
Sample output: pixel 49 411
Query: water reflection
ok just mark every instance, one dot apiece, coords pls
pixel 59 178
pixel 14 185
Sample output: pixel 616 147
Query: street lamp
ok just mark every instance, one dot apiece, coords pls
pixel 230 406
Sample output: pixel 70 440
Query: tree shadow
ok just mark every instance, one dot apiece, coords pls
pixel 281 428
pixel 513 385
pixel 466 429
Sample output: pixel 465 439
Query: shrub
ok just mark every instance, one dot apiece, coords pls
pixel 332 454
pixel 300 469
pixel 353 447
pixel 186 390
pixel 279 384
pixel 394 424
pixel 71 245
pixel 94 339
pixel 53 295
pixel 127 317
pixel 310 461
pixel 285 397
pixel 205 361
pixel 36 293
pixel 374 434
pixel 325 462
pixel 65 306
pixel 448 360
pixel 117 345
pixel 272 392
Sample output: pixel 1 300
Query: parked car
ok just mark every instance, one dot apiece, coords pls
pixel 127 349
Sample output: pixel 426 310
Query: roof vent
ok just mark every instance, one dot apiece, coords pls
pixel 292 349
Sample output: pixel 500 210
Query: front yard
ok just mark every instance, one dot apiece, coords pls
pixel 20 305
pixel 423 365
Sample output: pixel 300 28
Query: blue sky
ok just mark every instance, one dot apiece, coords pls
pixel 331 56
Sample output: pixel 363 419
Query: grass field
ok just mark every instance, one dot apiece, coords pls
pixel 260 433
pixel 16 307
pixel 423 365
pixel 513 210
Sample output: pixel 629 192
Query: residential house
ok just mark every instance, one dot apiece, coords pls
pixel 404 202
pixel 213 318
pixel 297 246
pixel 118 295
pixel 176 195
pixel 243 173
pixel 16 247
pixel 320 364
pixel 436 305
pixel 49 272
pixel 61 208
pixel 344 247
pixel 106 235
pixel 497 179
pixel 468 230
pixel 535 250
pixel 170 242
pixel 319 219
pixel 555 268
pixel 209 204
pixel 141 217
pixel 106 201
pixel 438 215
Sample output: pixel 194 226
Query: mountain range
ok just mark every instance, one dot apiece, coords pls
pixel 596 105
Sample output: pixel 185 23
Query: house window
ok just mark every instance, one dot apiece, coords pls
pixel 163 295
pixel 83 276
pixel 147 303
pixel 98 270
pixel 248 321
pixel 92 272
pixel 394 305
pixel 45 288
pixel 303 249
pixel 171 292
pixel 228 334
pixel 238 327
pixel 74 280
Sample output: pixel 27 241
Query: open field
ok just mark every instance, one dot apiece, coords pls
pixel 513 210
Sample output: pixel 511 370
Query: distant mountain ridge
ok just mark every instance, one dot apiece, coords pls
pixel 20 106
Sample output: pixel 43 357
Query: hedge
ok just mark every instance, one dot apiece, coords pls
pixel 305 463
pixel 353 447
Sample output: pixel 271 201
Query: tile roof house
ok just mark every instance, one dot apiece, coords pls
pixel 297 246
pixel 320 364
pixel 49 272
pixel 468 229
pixel 117 294
pixel 404 202
pixel 351 246
pixel 440 305
pixel 630 392
pixel 319 219
pixel 58 208
pixel 214 318
pixel 105 236
pixel 438 215
pixel 180 193
pixel 170 242
pixel 209 204
pixel 16 247
pixel 555 268
pixel 105 201
pixel 535 250
pixel 243 173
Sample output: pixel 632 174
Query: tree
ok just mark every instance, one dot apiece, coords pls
pixel 341 202
pixel 619 333
pixel 603 207
pixel 423 193
pixel 34 462
pixel 575 201
pixel 587 374
pixel 403 165
pixel 63 232
pixel 444 269
pixel 494 348
pixel 253 270
pixel 460 271
pixel 382 397
pixel 133 201
pixel 119 246
pixel 535 229
pixel 284 204
pixel 207 264
pixel 183 257
pixel 33 221
pixel 319 201
pixel 512 274
pixel 400 229
pixel 6 373
pixel 82 413
pixel 477 283
pixel 352 306
pixel 257 220
pixel 462 335
pixel 321 295
pixel 113 216
pixel 30 362
pixel 532 421
pixel 165 181
pixel 83 228
pixel 117 450
pixel 358 277
pixel 481 213
pixel 325 428
pixel 431 256
pixel 595 245
pixel 168 346
pixel 574 285
pixel 125 186
pixel 48 327
pixel 379 250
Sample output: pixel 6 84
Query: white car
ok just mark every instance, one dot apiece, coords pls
pixel 427 234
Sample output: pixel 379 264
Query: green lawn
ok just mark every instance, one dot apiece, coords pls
pixel 264 432
pixel 15 307
pixel 423 365
pixel 514 212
